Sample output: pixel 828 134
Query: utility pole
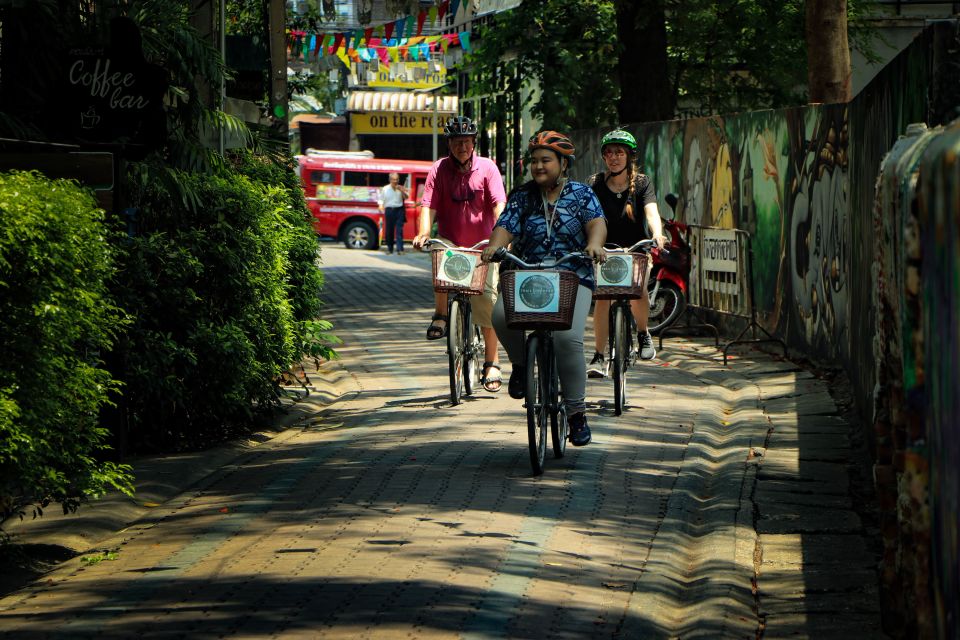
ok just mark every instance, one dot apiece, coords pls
pixel 278 65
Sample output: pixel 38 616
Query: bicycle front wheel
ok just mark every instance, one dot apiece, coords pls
pixel 537 388
pixel 619 353
pixel 559 427
pixel 455 351
pixel 472 348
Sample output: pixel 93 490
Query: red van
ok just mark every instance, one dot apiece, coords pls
pixel 342 188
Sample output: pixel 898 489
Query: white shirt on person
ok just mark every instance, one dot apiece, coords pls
pixel 390 197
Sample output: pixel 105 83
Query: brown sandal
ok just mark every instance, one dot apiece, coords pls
pixel 435 331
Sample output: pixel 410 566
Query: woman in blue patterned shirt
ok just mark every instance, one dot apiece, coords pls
pixel 547 217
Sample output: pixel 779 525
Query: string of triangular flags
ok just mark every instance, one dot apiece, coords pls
pixel 388 46
pixel 358 47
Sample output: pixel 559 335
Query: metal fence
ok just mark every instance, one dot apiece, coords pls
pixel 721 280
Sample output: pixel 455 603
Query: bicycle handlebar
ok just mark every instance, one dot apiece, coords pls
pixel 644 246
pixel 438 241
pixel 502 254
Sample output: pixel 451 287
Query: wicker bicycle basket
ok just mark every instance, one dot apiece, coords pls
pixel 559 320
pixel 637 286
pixel 476 282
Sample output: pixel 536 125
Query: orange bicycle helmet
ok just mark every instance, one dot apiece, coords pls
pixel 556 142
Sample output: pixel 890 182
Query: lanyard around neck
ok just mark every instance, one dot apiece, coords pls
pixel 548 213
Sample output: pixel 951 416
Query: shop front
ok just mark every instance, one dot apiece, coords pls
pixel 406 125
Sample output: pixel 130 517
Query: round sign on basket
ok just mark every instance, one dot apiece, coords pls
pixel 615 270
pixel 457 267
pixel 537 292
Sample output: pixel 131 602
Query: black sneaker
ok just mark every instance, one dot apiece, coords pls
pixel 598 366
pixel 517 379
pixel 647 352
pixel 579 430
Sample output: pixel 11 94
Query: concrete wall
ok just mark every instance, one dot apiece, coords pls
pixel 803 182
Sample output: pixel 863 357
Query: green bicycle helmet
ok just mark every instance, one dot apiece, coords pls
pixel 619 136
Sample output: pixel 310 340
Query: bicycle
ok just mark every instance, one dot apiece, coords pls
pixel 540 298
pixel 622 278
pixel 459 272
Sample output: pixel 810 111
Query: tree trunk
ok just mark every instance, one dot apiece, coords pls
pixel 828 54
pixel 645 91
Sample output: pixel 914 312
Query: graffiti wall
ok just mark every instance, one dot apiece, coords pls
pixel 935 363
pixel 866 280
pixel 783 177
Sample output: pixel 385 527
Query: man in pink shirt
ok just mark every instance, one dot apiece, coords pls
pixel 464 195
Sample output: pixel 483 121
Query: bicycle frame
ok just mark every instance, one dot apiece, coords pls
pixel 464 340
pixel 621 329
pixel 542 384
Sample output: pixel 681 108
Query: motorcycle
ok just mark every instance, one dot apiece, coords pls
pixel 667 286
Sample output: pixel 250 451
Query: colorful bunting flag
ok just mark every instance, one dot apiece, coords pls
pixel 442 11
pixel 420 19
pixel 454 5
pixel 388 30
pixel 465 40
pixel 432 14
pixel 337 41
pixel 400 26
pixel 368 34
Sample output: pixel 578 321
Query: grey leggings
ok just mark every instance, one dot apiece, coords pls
pixel 568 346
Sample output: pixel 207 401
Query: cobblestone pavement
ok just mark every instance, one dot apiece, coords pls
pixel 716 506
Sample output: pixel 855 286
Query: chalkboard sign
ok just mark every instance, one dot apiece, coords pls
pixel 114 95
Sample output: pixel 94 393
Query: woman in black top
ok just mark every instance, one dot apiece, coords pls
pixel 630 206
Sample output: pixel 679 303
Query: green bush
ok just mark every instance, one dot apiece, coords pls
pixel 56 318
pixel 304 278
pixel 218 308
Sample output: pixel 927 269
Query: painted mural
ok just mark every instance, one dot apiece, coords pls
pixel 938 359
pixel 782 177
pixel 837 274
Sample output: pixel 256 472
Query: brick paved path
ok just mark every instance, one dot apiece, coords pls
pixel 393 514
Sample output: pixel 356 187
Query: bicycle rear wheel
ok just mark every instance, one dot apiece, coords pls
pixel 455 351
pixel 472 347
pixel 536 389
pixel 619 354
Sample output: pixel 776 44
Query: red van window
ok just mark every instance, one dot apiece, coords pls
pixel 322 177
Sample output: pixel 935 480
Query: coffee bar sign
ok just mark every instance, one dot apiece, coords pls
pixel 113 94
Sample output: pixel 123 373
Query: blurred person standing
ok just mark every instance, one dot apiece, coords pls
pixel 392 197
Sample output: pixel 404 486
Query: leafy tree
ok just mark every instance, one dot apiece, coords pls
pixel 567 46
pixel 736 56
pixel 246 17
pixel 655 59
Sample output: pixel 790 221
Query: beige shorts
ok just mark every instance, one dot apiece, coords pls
pixel 482 305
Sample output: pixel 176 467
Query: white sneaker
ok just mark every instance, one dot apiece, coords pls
pixel 598 366
pixel 647 352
